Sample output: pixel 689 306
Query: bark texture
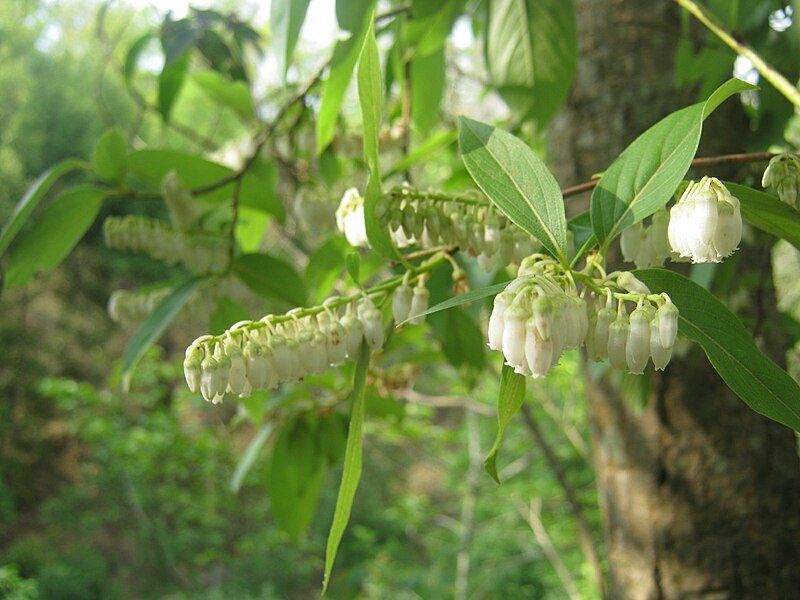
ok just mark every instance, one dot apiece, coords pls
pixel 700 495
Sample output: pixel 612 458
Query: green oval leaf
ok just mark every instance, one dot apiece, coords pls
pixel 109 155
pixel 133 54
pixel 644 177
pixel 756 379
pixel 271 277
pixel 231 94
pixel 170 83
pixel 509 401
pixel 532 54
pixel 33 196
pixel 768 213
pixel 515 180
pixel 54 234
pixel 154 325
pixel 351 473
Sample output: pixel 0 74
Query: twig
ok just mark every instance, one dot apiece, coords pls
pixel 415 397
pixel 468 508
pixel 237 188
pixel 585 535
pixel 780 83
pixel 530 515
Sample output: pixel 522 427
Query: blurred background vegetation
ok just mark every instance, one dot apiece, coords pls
pixel 112 495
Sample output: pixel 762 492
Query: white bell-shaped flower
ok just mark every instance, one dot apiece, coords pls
pixel 401 302
pixel 192 367
pixel 637 346
pixel 353 332
pixel 705 224
pixel 783 175
pixel 372 323
pixel 538 352
pixel 660 353
pixel 237 376
pixel 605 316
pixel 419 303
pixel 495 332
pixel 514 321
pixel 350 218
pixel 631 241
pixel 667 317
pixel 617 342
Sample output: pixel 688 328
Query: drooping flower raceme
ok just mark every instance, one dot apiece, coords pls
pixel 200 253
pixel 705 224
pixel 277 349
pixel 541 314
pixel 783 175
pixel 647 245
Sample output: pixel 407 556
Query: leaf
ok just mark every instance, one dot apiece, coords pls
pixel 227 312
pixel 470 296
pixel 509 401
pixel 768 213
pixel 250 227
pixel 350 14
pixel 353 263
pixel 351 472
pixel 427 89
pixel 531 54
pixel 176 39
pixel 258 184
pixel 133 54
pixel 170 82
pixel 643 178
pixel 250 455
pixel 435 142
pixel 109 155
pixel 370 96
pixel 756 379
pixel 231 94
pixel 55 233
pixel 294 481
pixel 154 325
pixel 32 197
pixel 428 34
pixel 516 181
pixel 345 57
pixel 286 20
pixel 270 277
pixel 581 228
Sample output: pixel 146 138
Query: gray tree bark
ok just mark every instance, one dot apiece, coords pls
pixel 700 495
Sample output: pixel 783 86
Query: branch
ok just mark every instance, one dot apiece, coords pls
pixel 780 83
pixel 585 535
pixel 703 161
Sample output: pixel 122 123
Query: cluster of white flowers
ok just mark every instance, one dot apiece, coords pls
pixel 184 211
pixel 783 175
pixel 262 355
pixel 198 253
pixel 540 314
pixel 408 302
pixel 131 307
pixel 429 219
pixel 647 245
pixel 705 225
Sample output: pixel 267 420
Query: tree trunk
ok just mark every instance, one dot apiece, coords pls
pixel 700 495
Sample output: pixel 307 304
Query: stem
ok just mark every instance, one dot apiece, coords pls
pixel 237 188
pixel 780 83
pixel 468 507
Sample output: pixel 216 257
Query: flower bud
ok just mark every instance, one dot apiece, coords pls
pixel 629 282
pixel 637 348
pixel 605 316
pixel 353 332
pixel 192 367
pixel 207 382
pixel 237 376
pixel 783 174
pixel 372 323
pixel 631 241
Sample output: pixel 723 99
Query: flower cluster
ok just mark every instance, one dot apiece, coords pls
pixel 540 314
pixel 647 245
pixel 130 307
pixel 429 219
pixel 783 174
pixel 277 349
pixel 198 253
pixel 705 225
